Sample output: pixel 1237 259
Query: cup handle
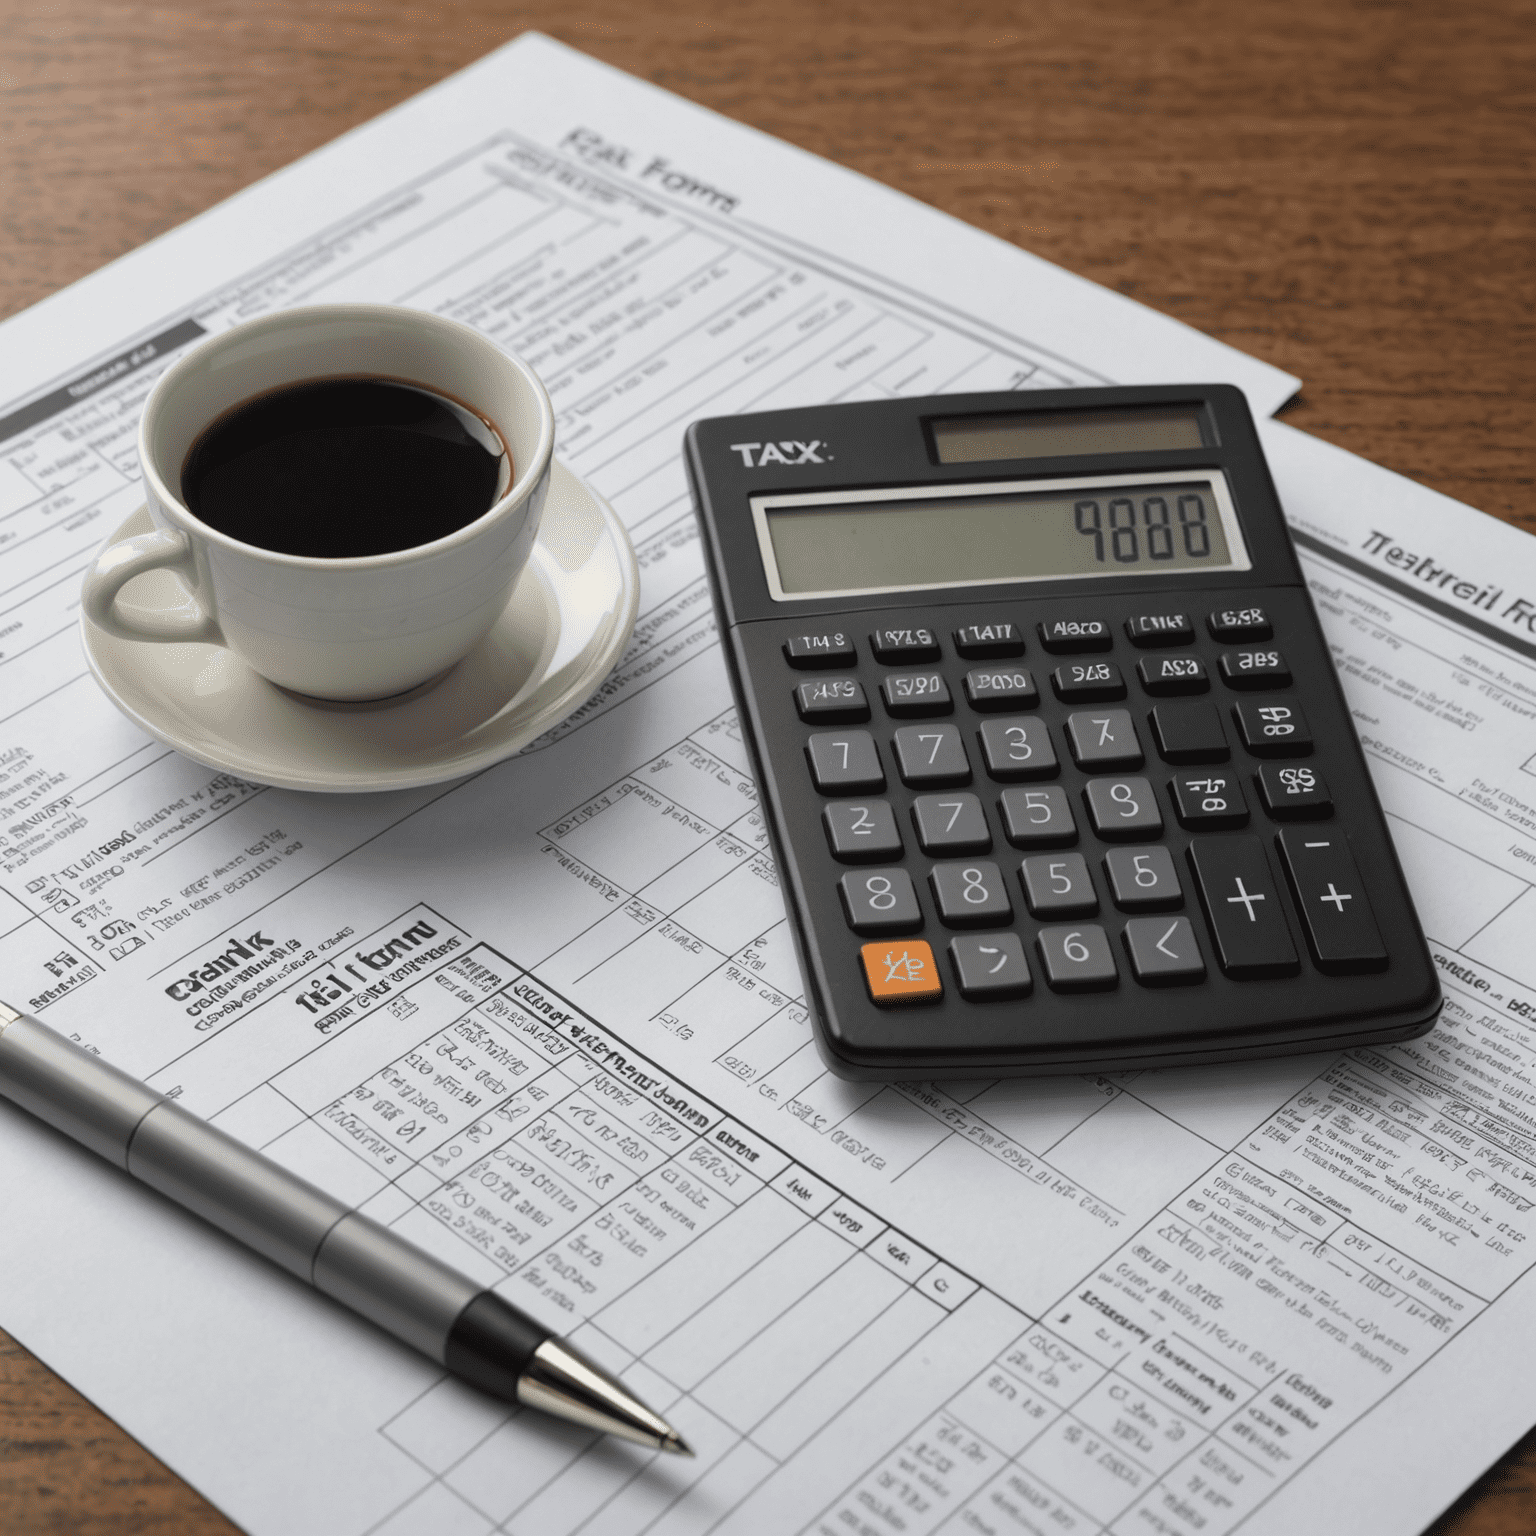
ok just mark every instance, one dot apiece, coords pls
pixel 190 622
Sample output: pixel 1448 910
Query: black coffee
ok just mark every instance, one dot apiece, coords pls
pixel 342 467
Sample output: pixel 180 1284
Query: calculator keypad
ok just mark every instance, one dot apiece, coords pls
pixel 1126 793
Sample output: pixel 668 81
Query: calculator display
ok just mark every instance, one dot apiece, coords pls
pixel 1045 434
pixel 901 541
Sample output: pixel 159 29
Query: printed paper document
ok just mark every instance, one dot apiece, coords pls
pixel 547 1021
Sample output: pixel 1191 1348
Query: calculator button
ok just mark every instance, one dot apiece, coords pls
pixel 978 641
pixel 1018 748
pixel 1058 885
pixel 1038 818
pixel 1104 738
pixel 826 648
pixel 1293 793
pixel 1082 682
pixel 950 824
pixel 901 973
pixel 1160 629
pixel 860 832
pixel 1077 959
pixel 1273 730
pixel 1235 624
pixel 1069 637
pixel 1209 802
pixel 990 688
pixel 1189 733
pixel 1255 669
pixel 1242 903
pixel 970 895
pixel 844 762
pixel 931 754
pixel 880 901
pixel 832 701
pixel 1143 879
pixel 915 695
pixel 1165 676
pixel 1341 932
pixel 1164 951
pixel 1123 810
pixel 990 966
pixel 898 645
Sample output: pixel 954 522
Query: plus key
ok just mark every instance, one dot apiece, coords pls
pixel 1242 904
pixel 1341 929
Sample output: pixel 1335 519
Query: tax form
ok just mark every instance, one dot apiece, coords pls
pixel 547 1021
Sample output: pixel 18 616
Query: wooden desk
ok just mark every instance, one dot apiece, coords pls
pixel 1342 189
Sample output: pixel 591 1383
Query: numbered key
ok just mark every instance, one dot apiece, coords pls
pixel 1341 929
pixel 916 695
pixel 1038 818
pixel 931 754
pixel 1242 904
pixel 822 648
pixel 996 638
pixel 1169 676
pixel 1294 793
pixel 832 701
pixel 861 832
pixel 1083 682
pixel 989 689
pixel 1238 624
pixel 1077 959
pixel 1058 885
pixel 880 901
pixel 990 967
pixel 1123 810
pixel 970 895
pixel 1104 739
pixel 1143 879
pixel 1273 730
pixel 898 645
pixel 901 973
pixel 1189 733
pixel 950 824
pixel 1018 748
pixel 1068 637
pixel 1164 951
pixel 1255 669
pixel 845 762
pixel 1208 802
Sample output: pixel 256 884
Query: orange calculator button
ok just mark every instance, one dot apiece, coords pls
pixel 901 971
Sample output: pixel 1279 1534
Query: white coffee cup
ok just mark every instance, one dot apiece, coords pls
pixel 356 628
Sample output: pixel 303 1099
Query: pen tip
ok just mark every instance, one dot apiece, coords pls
pixel 675 1443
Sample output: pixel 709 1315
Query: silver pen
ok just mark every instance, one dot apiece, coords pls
pixel 350 1257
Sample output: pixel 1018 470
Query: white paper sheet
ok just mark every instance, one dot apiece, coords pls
pixel 547 1021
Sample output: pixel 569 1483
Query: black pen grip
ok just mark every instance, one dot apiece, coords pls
pixel 491 1345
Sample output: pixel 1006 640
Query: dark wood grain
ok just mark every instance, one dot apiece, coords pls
pixel 1343 189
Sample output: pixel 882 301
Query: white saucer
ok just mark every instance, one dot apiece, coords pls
pixel 568 620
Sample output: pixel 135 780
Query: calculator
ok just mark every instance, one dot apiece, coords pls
pixel 1052 754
